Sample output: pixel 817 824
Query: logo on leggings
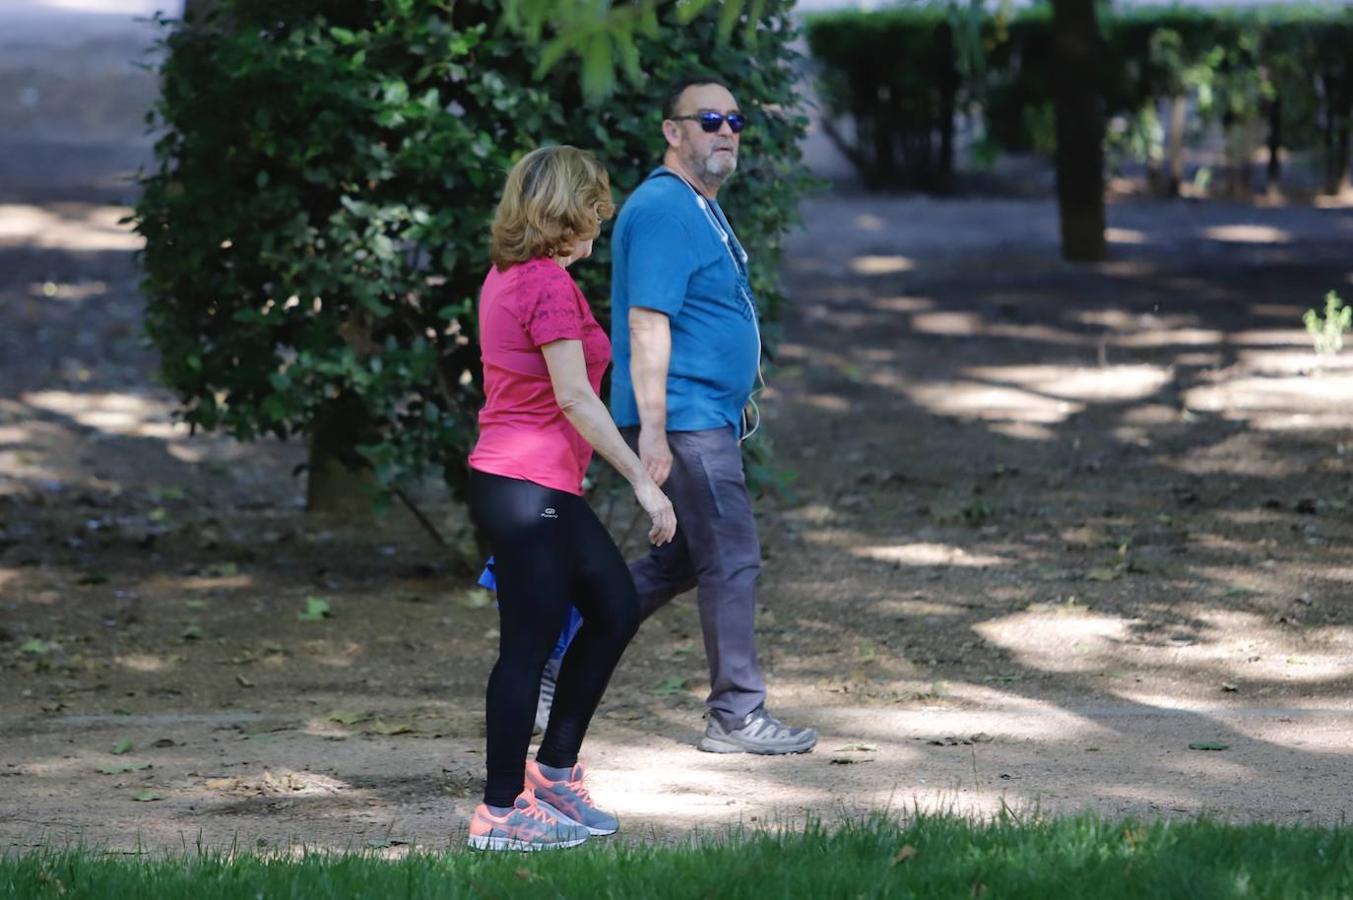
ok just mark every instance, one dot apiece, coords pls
pixel 550 513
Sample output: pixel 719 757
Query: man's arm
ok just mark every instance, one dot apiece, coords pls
pixel 650 355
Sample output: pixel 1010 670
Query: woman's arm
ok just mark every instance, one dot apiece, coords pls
pixel 585 411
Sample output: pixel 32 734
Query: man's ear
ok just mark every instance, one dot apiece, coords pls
pixel 672 133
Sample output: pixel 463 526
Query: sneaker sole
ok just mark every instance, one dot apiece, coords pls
pixel 594 832
pixel 713 745
pixel 483 842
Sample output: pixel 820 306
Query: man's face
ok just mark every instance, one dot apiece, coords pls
pixel 704 154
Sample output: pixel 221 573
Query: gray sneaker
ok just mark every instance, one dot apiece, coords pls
pixel 760 732
pixel 546 701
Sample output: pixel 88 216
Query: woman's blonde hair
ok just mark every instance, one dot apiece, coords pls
pixel 554 197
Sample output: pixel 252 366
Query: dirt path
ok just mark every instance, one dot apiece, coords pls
pixel 1048 527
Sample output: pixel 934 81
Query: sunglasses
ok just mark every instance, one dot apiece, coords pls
pixel 711 122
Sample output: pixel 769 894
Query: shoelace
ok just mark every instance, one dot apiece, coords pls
pixel 578 788
pixel 535 812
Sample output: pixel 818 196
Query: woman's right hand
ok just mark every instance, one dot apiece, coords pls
pixel 659 509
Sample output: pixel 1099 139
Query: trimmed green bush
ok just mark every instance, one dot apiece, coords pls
pixel 317 227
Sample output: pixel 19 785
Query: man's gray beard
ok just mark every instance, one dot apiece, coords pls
pixel 714 172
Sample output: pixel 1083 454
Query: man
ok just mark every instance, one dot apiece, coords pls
pixel 687 351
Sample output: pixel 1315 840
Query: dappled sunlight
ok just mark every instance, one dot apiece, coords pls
pixel 1248 234
pixel 974 400
pixel 902 304
pixel 127 8
pixel 917 608
pixel 950 323
pixel 870 222
pixel 74 293
pixel 925 554
pixel 1103 384
pixel 144 662
pixel 832 403
pixel 130 414
pixel 1125 236
pixel 8 575
pixel 76 227
pixel 710 791
pixel 1023 431
pixel 1278 403
pixel 1175 337
pixel 1046 722
pixel 1056 642
pixel 1297 362
pixel 1122 320
pixel 881 265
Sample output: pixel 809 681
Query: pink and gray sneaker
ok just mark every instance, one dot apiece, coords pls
pixel 529 825
pixel 570 799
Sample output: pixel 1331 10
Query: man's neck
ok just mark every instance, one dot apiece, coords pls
pixel 710 190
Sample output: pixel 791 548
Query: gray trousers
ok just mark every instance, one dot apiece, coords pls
pixel 716 551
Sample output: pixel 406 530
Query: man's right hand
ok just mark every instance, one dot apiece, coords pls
pixel 655 454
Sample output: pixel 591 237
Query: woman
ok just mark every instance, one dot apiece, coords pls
pixel 544 355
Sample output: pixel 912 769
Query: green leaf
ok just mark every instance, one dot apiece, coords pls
pixel 34 647
pixel 345 717
pixel 673 685
pixel 123 746
pixel 315 610
pixel 192 633
pixel 1209 745
pixel 391 728
pixel 147 796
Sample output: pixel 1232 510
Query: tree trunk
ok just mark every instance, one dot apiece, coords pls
pixel 1275 146
pixel 1176 150
pixel 339 483
pixel 1080 129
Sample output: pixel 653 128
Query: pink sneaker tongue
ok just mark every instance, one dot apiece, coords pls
pixel 577 773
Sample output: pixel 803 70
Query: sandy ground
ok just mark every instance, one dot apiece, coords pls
pixel 1047 527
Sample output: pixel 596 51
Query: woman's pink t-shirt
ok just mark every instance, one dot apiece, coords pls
pixel 522 432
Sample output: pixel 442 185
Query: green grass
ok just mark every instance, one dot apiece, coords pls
pixel 1081 857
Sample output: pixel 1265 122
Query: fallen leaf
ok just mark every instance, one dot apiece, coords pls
pixel 243 682
pixel 315 610
pixel 1104 574
pixel 847 761
pixel 478 598
pixel 35 647
pixel 123 769
pixel 669 686
pixel 1228 687
pixel 981 738
pixel 164 743
pixel 147 797
pixel 195 604
pixel 858 748
pixel 391 728
pixel 1209 745
pixel 904 853
pixel 193 633
pixel 123 746
pixel 346 717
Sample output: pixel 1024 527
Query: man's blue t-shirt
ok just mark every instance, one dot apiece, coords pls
pixel 667 255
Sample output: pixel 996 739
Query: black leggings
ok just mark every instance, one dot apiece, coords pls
pixel 551 552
